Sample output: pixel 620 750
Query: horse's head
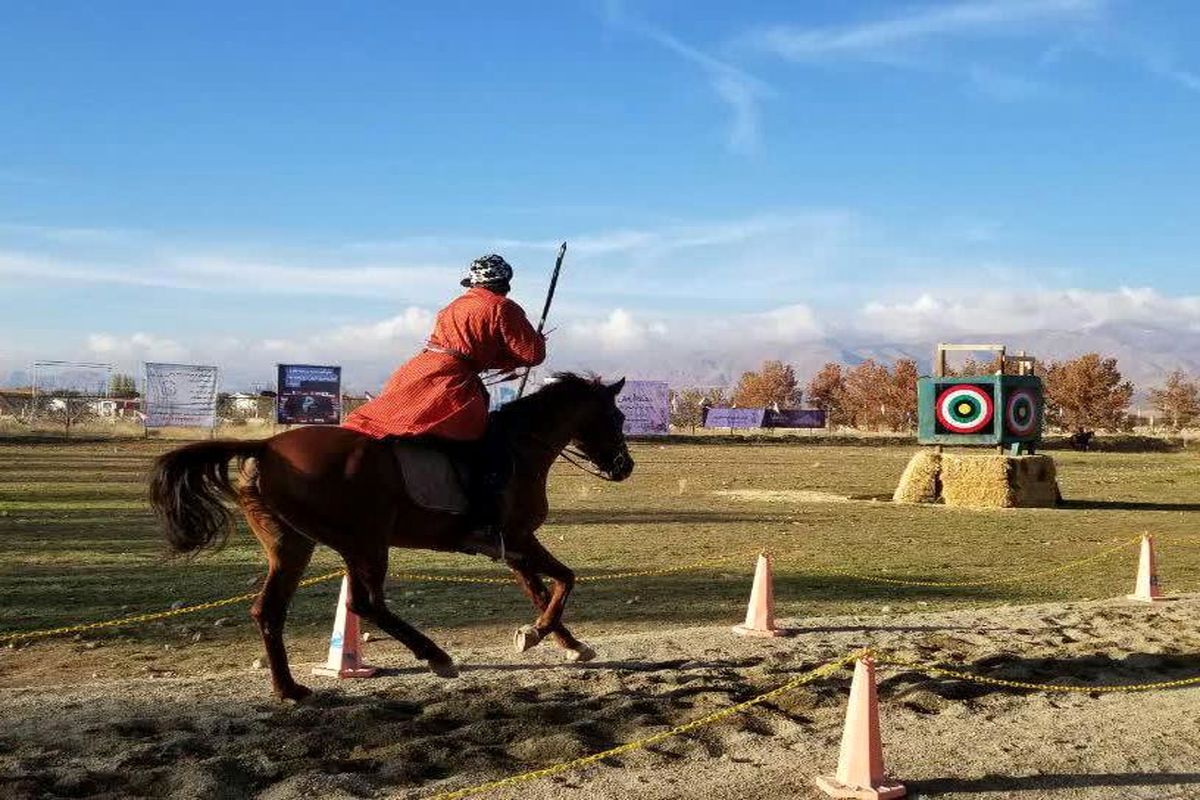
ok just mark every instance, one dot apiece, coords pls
pixel 600 433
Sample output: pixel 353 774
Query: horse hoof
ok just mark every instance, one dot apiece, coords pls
pixel 582 655
pixel 295 693
pixel 444 669
pixel 525 638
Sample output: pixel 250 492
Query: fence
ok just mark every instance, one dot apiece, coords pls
pixel 66 415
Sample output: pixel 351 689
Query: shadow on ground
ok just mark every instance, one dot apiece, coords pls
pixel 1125 505
pixel 1006 784
pixel 1094 670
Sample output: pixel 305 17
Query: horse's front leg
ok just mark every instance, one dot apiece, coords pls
pixel 529 566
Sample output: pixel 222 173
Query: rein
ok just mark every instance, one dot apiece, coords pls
pixel 580 461
pixel 572 456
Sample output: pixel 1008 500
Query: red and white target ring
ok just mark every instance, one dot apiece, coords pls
pixel 965 408
pixel 1020 412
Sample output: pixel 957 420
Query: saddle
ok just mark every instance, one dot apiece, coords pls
pixel 437 474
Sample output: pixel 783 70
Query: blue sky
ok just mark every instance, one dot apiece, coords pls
pixel 248 183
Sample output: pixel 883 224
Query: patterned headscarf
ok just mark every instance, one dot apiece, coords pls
pixel 491 271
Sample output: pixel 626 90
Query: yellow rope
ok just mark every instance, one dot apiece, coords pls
pixel 821 671
pixel 942 672
pixel 1026 576
pixel 417 576
pixel 426 577
pixel 463 579
pixel 668 570
pixel 241 598
pixel 151 616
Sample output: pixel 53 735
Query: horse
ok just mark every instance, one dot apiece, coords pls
pixel 343 489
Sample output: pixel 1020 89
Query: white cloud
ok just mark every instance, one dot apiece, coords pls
pixel 686 345
pixel 619 332
pixel 948 37
pixel 1017 311
pixel 881 38
pixel 222 273
pixel 739 90
pixel 788 325
pixel 134 347
pixel 625 340
pixel 671 260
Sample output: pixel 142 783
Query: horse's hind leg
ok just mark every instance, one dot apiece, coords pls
pixel 288 552
pixel 367 573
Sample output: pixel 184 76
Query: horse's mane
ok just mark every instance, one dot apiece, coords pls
pixel 563 387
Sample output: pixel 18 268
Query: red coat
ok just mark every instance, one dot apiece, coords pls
pixel 440 393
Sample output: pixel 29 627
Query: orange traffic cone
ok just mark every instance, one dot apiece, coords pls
pixel 345 658
pixel 860 764
pixel 1147 588
pixel 760 615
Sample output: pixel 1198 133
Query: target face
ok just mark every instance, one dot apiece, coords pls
pixel 965 408
pixel 1020 412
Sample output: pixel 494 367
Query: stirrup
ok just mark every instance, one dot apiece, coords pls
pixel 489 536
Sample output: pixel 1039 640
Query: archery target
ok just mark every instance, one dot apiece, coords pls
pixel 964 408
pixel 1020 412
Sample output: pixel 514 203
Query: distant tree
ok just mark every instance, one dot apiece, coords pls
pixel 972 366
pixel 122 385
pixel 827 391
pixel 877 398
pixel 1087 394
pixel 774 384
pixel 866 394
pixel 1178 400
pixel 687 406
pixel 902 405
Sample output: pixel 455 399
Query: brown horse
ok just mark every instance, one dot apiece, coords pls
pixel 339 488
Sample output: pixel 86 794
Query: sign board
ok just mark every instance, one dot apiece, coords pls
pixel 308 394
pixel 795 418
pixel 734 417
pixel 181 395
pixel 499 396
pixel 647 408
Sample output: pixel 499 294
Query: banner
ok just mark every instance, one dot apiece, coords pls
pixel 500 395
pixel 647 408
pixel 308 395
pixel 734 417
pixel 181 395
pixel 795 418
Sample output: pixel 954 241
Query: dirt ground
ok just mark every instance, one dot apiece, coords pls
pixel 409 734
pixel 174 708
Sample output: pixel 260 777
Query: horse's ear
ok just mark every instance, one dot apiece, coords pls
pixel 615 388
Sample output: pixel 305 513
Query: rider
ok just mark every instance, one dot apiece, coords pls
pixel 439 392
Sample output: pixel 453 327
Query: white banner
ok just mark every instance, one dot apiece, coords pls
pixel 181 396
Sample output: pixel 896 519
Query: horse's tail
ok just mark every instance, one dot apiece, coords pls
pixel 187 487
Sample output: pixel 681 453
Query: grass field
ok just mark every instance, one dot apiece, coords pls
pixel 77 544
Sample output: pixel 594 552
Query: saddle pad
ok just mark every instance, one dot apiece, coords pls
pixel 433 479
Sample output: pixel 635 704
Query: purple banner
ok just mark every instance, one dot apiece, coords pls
pixel 647 408
pixel 795 418
pixel 734 417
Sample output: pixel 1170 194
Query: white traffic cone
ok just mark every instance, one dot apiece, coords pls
pixel 345 655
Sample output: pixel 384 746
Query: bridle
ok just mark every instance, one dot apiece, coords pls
pixel 580 460
pixel 575 457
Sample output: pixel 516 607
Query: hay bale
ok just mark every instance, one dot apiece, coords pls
pixel 920 481
pixel 1035 482
pixel 999 481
